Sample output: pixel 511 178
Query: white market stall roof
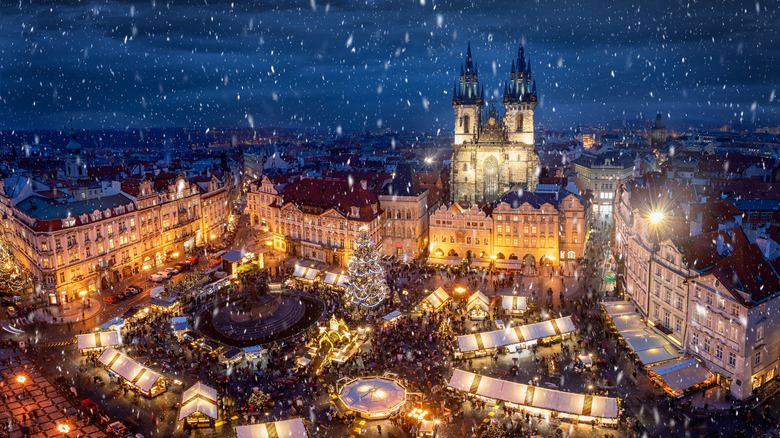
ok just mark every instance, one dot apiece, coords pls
pixel 515 335
pixel 628 322
pixel 98 340
pixel 534 396
pixel 513 302
pixel 651 347
pixel 129 369
pixel 372 395
pixel 280 429
pixel 392 315
pixel 156 291
pixel 681 374
pixel 616 308
pixel 437 299
pixel 304 272
pixel 199 398
pixel 450 261
pixel 478 299
pixel 336 279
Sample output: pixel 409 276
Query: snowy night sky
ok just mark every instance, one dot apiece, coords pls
pixel 388 63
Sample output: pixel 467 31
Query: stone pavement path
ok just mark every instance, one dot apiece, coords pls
pixel 37 398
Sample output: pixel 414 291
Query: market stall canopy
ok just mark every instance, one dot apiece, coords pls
pixel 392 315
pixel 513 302
pixel 534 396
pixel 478 299
pixel 437 299
pixel 515 335
pixel 479 264
pixel 651 347
pixel 449 261
pixel 98 340
pixel 233 256
pixel 617 308
pixel 681 374
pixel 304 272
pixel 279 429
pixel 113 323
pixel 178 319
pixel 372 395
pixel 515 265
pixel 199 398
pixel 628 322
pixel 130 370
pixel 336 279
pixel 181 327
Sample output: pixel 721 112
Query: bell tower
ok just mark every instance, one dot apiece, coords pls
pixel 468 100
pixel 520 100
pixel 75 167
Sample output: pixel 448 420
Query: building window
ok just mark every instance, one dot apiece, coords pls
pixel 679 302
pixel 695 339
pixel 721 328
pixel 677 325
pixel 655 311
pixel 719 352
pixel 668 297
pixel 734 310
pixel 708 322
pixel 759 333
pixel 667 319
pixel 709 298
pixel 757 358
pixel 733 333
pixel 707 344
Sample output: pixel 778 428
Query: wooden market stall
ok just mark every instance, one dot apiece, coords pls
pixel 373 397
pixel 514 305
pixel 478 306
pixel 435 301
pixel 199 406
pixel 278 429
pixel 336 280
pixel 536 400
pixel 307 275
pixel 137 376
pixel 680 376
pixel 97 341
pixel 481 344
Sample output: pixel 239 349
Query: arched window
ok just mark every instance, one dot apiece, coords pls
pixel 408 215
pixel 466 120
pixel 519 122
pixel 570 255
pixel 465 167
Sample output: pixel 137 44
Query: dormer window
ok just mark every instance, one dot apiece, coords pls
pixel 355 212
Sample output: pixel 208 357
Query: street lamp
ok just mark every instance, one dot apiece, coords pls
pixel 21 379
pixel 656 217
pixel 63 428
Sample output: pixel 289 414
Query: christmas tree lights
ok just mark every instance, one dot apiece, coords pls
pixel 367 286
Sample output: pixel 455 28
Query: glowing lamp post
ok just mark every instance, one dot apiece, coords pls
pixel 63 428
pixel 656 217
pixel 21 379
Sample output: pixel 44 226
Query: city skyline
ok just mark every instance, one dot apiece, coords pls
pixel 330 66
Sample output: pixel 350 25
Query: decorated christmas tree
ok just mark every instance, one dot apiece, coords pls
pixel 12 279
pixel 367 286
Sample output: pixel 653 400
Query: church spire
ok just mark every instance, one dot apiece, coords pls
pixel 469 63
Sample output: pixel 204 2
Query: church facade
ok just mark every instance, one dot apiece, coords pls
pixel 493 153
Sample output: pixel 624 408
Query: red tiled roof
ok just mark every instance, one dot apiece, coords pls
pixel 323 194
pixel 700 252
pixel 52 194
pixel 748 271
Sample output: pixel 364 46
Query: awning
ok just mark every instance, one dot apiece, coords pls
pixel 450 261
pixel 254 350
pixel 156 291
pixel 178 319
pixel 651 347
pixel 628 322
pixel 534 396
pixel 616 308
pixel 199 398
pixel 514 303
pixel 300 271
pixel 130 370
pixel 515 335
pixel 479 264
pixel 335 279
pixel 181 326
pixel 311 273
pixel 280 429
pixel 478 299
pixel 681 374
pixel 98 340
pixel 515 265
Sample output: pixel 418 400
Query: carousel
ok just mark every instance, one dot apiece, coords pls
pixel 374 398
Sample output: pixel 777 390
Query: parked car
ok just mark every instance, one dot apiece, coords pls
pixel 111 299
pixel 133 290
pixel 121 295
pixel 158 277
pixel 171 271
pixel 181 267
pixel 11 311
pixel 11 301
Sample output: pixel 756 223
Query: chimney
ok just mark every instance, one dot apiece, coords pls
pixel 364 184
